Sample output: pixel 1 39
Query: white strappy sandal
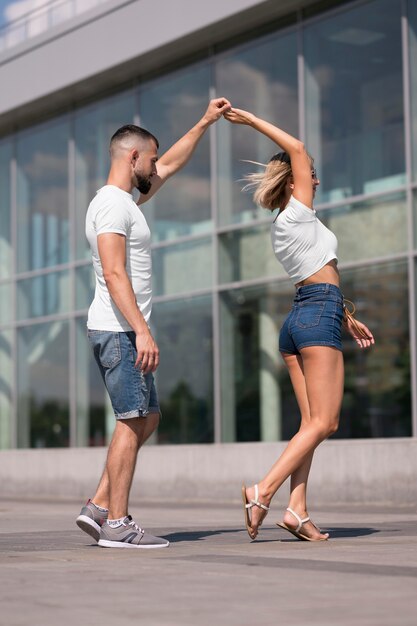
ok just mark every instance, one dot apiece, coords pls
pixel 249 505
pixel 296 531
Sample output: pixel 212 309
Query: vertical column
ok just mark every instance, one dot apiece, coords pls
pixel 270 392
pixel 228 397
pixel 410 213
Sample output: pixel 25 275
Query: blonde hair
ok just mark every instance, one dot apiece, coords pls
pixel 270 184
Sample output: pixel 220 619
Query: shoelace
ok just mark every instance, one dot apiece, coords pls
pixel 134 525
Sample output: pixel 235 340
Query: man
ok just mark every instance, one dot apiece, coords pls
pixel 118 330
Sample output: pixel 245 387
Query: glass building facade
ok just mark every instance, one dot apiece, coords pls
pixel 342 81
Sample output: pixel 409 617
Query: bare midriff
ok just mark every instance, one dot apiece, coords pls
pixel 327 274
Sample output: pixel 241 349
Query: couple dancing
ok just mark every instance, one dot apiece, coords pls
pixel 127 355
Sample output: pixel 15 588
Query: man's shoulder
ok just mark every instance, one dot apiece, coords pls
pixel 109 197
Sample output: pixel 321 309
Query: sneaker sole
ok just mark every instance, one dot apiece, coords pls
pixel 105 543
pixel 89 526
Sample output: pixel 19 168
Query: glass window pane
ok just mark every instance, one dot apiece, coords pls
pixel 93 127
pixel 412 20
pixel 43 295
pixel 354 100
pixel 258 403
pixel 5 303
pixel 169 107
pixel 184 378
pixel 6 388
pixel 5 209
pixel 374 228
pixel 247 254
pixel 95 417
pixel 84 286
pixel 42 196
pixel 377 399
pixel 182 268
pixel 43 385
pixel 262 78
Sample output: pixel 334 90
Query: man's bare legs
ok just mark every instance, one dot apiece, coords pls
pixel 114 486
pixel 323 372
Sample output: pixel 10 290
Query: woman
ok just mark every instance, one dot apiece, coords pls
pixel 310 339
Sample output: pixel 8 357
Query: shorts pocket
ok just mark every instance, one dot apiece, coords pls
pixel 106 347
pixel 309 314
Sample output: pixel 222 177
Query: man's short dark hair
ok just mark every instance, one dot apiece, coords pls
pixel 129 130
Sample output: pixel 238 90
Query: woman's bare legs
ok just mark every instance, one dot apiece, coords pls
pixel 299 478
pixel 323 374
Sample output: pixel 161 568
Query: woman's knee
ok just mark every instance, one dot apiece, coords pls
pixel 325 428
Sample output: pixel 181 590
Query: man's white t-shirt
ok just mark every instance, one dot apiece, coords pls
pixel 113 210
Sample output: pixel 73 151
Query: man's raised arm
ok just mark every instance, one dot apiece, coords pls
pixel 180 153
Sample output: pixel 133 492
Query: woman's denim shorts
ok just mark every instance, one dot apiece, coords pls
pixel 132 393
pixel 315 319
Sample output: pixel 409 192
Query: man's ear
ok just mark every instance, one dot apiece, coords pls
pixel 134 155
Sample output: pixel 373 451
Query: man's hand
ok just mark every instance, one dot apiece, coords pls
pixel 147 352
pixel 215 109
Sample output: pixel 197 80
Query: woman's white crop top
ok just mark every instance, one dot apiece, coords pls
pixel 301 242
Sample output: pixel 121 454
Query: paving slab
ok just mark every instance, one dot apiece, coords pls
pixel 52 573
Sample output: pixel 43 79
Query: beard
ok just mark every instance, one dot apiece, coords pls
pixel 143 183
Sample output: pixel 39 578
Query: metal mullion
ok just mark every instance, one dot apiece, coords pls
pixel 72 356
pixel 215 272
pixel 13 209
pixel 43 271
pixel 410 216
pixel 301 80
pixel 167 243
pixel 183 295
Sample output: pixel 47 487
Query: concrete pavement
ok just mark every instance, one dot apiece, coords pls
pixel 52 573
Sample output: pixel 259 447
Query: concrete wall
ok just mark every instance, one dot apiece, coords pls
pixel 355 471
pixel 117 42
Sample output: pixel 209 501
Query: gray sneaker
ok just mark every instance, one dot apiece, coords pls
pixel 91 519
pixel 129 535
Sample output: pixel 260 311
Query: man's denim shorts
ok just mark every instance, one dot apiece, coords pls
pixel 131 392
pixel 315 319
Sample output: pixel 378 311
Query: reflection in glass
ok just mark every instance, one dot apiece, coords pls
pixel 258 403
pixel 43 295
pixel 184 378
pixel 182 268
pixel 246 254
pixel 354 100
pixel 6 372
pixel 377 399
pixel 5 303
pixel 94 127
pixel 95 418
pixel 5 209
pixel 84 286
pixel 169 107
pixel 43 385
pixel 412 20
pixel 262 78
pixel 42 196
pixel 373 228
pixel 257 400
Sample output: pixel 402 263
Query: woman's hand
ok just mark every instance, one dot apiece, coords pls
pixel 356 329
pixel 239 116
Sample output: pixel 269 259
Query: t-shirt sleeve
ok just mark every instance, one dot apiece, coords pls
pixel 297 212
pixel 112 217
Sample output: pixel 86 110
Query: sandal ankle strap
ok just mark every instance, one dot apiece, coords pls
pixel 298 518
pixel 255 501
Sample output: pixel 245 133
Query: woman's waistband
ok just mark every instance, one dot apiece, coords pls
pixel 327 290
